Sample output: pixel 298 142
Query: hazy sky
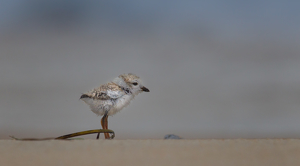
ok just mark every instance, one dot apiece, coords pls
pixel 229 16
pixel 215 69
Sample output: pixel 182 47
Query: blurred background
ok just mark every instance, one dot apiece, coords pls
pixel 215 69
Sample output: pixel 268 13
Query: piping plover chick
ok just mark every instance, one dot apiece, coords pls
pixel 110 98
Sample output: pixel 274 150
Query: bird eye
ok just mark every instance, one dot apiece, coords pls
pixel 135 83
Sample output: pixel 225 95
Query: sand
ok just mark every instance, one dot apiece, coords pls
pixel 228 152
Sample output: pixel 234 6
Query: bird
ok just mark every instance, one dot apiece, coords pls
pixel 112 97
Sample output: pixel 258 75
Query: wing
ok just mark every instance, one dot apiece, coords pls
pixel 102 95
pixel 103 98
pixel 105 92
pixel 99 101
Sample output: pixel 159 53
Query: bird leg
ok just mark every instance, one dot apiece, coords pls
pixel 104 124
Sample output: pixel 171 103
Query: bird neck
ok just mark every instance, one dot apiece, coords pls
pixel 123 85
pixel 126 90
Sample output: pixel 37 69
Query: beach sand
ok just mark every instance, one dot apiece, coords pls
pixel 225 152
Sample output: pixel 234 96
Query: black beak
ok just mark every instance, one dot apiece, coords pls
pixel 145 89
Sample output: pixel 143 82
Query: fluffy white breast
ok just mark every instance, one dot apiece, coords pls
pixel 98 106
pixel 120 104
